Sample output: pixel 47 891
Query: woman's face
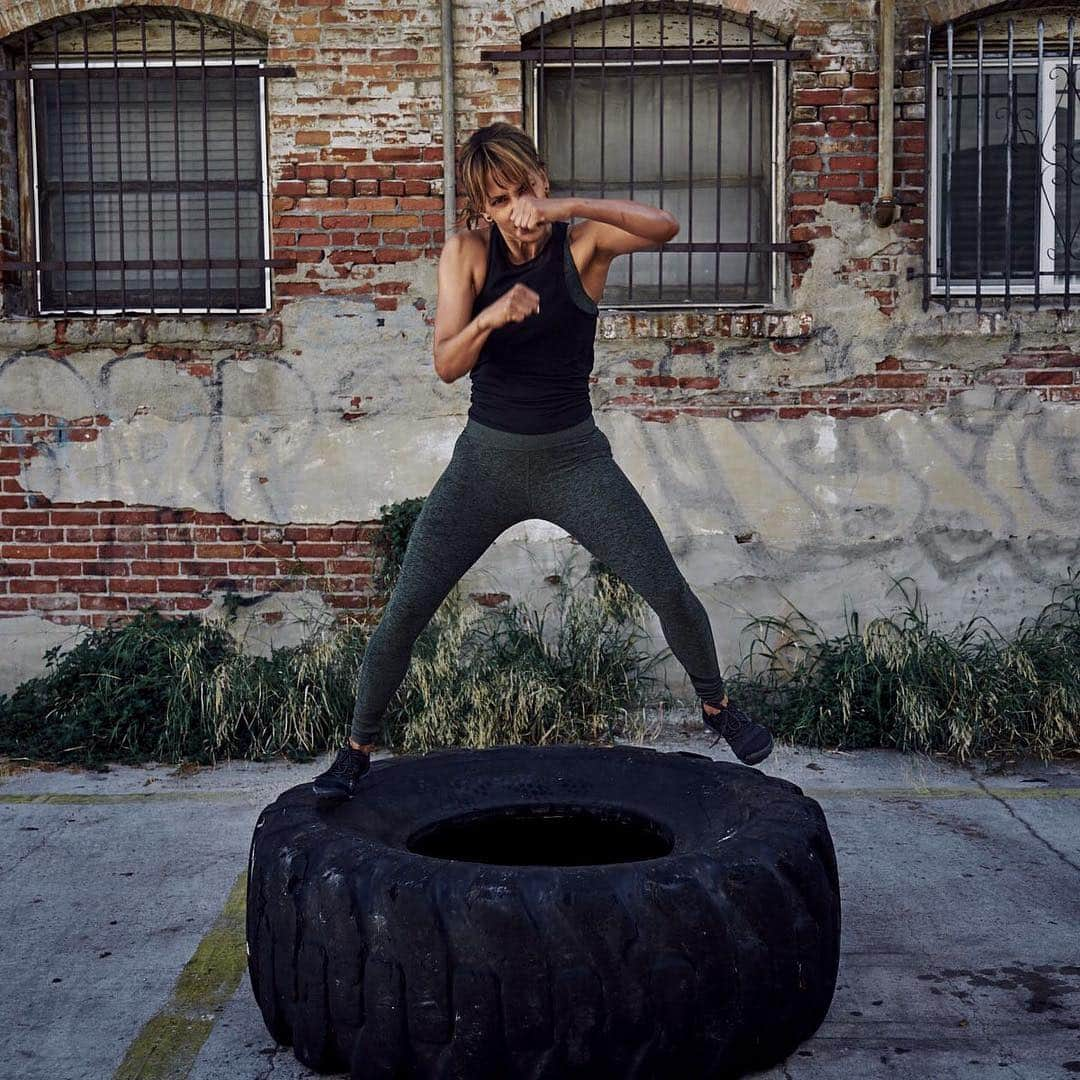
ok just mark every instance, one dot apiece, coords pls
pixel 501 201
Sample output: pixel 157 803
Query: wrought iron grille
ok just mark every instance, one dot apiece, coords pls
pixel 613 116
pixel 145 188
pixel 1001 161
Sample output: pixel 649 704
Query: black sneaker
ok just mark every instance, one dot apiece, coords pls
pixel 750 741
pixel 340 780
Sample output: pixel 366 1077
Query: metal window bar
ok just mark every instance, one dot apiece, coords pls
pixel 1030 175
pixel 149 170
pixel 603 43
pixel 119 158
pixel 1070 129
pixel 660 260
pixel 573 99
pixel 1038 127
pixel 719 144
pixel 633 141
pixel 176 161
pixel 53 204
pixel 690 150
pixel 634 58
pixel 749 161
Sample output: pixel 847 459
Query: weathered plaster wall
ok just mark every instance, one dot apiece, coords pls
pixel 791 458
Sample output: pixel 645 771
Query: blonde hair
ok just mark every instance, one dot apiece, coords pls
pixel 501 152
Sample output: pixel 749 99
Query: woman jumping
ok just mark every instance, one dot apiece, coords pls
pixel 517 311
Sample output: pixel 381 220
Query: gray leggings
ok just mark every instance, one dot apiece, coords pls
pixel 496 479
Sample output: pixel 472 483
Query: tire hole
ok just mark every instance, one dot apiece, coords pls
pixel 544 835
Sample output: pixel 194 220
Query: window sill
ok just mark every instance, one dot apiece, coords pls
pixel 260 332
pixel 619 324
pixel 995 321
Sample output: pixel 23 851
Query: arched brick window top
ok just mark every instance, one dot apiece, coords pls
pixel 1025 17
pixel 67 32
pixel 613 23
pixel 247 18
pixel 964 14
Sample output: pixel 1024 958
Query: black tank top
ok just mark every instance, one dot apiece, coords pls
pixel 533 376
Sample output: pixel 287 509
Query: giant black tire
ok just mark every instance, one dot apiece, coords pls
pixel 681 916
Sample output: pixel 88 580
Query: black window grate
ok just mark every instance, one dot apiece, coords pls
pixel 148 166
pixel 568 90
pixel 1002 153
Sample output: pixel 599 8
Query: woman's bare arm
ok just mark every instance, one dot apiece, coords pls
pixel 639 219
pixel 620 226
pixel 458 336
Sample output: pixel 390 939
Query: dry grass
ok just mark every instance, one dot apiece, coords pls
pixel 184 690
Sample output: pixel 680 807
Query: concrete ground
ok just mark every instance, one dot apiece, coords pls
pixel 122 903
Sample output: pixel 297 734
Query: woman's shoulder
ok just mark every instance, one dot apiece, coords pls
pixel 470 238
pixel 471 247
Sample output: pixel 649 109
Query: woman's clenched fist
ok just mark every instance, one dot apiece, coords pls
pixel 515 305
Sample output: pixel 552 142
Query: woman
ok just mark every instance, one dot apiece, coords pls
pixel 517 310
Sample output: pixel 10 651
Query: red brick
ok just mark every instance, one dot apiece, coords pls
pixel 418 172
pixel 291 187
pixel 379 55
pixel 852 197
pixel 816 96
pixel 134 585
pixel 103 603
pixel 1048 378
pixel 181 585
pixel 810 232
pixel 57 569
pixel 847 411
pixel 396 153
pixel 32 585
pixel 852 162
pixel 844 113
pixel 24 551
pixel 900 378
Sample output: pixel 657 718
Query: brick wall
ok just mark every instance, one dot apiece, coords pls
pixel 94 562
pixel 356 175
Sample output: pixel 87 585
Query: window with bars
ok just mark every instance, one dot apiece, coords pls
pixel 1002 160
pixel 143 138
pixel 681 106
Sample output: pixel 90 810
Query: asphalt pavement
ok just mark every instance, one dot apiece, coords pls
pixel 122 907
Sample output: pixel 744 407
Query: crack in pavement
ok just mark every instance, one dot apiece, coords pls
pixel 1060 854
pixel 272 1056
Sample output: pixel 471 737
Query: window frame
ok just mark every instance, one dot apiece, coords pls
pixel 779 292
pixel 1050 286
pixel 31 154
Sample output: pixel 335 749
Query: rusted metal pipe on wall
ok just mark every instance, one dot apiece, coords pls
pixel 885 207
pixel 449 182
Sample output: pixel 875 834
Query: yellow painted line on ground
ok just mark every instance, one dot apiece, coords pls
pixel 815 792
pixel 120 797
pixel 170 1041
pixel 944 793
